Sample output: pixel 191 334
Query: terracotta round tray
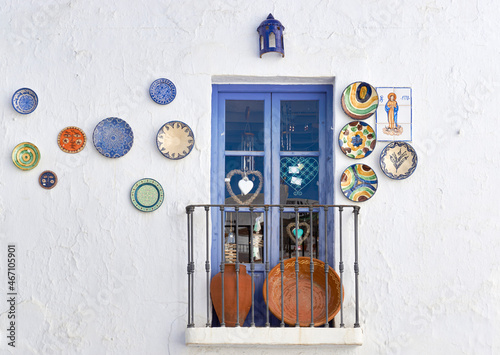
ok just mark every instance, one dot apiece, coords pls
pixel 289 292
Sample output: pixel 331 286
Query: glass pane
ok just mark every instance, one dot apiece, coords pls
pixel 308 232
pixel 300 180
pixel 244 125
pixel 237 242
pixel 300 126
pixel 244 187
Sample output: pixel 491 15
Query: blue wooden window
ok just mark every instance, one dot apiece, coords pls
pixel 284 133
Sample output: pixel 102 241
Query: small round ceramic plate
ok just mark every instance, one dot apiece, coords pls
pixel 175 140
pixel 26 156
pixel 24 101
pixel 47 179
pixel 147 195
pixel 113 137
pixel 359 182
pixel 398 160
pixel 357 140
pixel 359 100
pixel 71 140
pixel 162 91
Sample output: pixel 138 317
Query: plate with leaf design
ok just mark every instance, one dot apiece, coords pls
pixel 398 160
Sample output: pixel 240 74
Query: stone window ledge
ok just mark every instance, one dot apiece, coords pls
pixel 243 336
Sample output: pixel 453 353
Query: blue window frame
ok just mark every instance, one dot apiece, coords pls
pixel 276 130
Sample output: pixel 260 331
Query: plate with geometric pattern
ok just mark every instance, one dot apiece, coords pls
pixel 26 156
pixel 359 182
pixel 175 140
pixel 113 137
pixel 147 195
pixel 162 91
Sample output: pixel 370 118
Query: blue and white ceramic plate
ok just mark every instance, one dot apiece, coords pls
pixel 398 160
pixel 147 195
pixel 162 91
pixel 175 140
pixel 24 101
pixel 113 137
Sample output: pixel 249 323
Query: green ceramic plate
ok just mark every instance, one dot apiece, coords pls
pixel 26 156
pixel 147 195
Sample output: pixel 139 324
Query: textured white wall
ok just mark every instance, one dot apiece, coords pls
pixel 97 276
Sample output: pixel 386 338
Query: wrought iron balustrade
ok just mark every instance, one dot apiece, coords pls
pixel 326 240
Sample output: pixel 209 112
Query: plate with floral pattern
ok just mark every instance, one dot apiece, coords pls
pixel 357 140
pixel 25 101
pixel 162 91
pixel 113 137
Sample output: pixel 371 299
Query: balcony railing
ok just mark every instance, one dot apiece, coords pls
pixel 286 245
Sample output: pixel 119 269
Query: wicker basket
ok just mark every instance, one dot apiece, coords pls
pixel 289 292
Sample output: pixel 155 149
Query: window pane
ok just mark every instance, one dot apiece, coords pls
pixel 244 125
pixel 299 126
pixel 300 179
pixel 243 185
pixel 307 233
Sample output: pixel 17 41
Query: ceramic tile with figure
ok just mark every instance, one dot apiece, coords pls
pixel 393 116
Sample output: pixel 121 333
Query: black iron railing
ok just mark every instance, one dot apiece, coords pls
pixel 323 229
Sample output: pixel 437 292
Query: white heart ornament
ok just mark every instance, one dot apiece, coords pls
pixel 245 185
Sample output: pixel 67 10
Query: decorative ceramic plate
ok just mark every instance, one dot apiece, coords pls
pixel 25 101
pixel 398 160
pixel 113 137
pixel 357 140
pixel 359 100
pixel 26 156
pixel 71 140
pixel 47 179
pixel 175 140
pixel 147 195
pixel 162 91
pixel 359 182
pixel 291 283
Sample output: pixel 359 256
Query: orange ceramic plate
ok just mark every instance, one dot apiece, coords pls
pixel 71 140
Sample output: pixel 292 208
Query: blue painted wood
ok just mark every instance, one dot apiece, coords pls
pixel 299 154
pixel 237 153
pixel 272 95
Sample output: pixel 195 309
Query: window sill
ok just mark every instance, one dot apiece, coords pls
pixel 273 336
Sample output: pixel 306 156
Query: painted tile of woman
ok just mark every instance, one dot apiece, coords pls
pixel 391 107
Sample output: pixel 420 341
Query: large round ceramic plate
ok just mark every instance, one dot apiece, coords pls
pixel 162 91
pixel 398 160
pixel 359 100
pixel 26 156
pixel 24 101
pixel 175 140
pixel 113 137
pixel 357 140
pixel 359 182
pixel 47 179
pixel 147 195
pixel 71 140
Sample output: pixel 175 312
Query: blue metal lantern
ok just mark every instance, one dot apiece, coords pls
pixel 271 36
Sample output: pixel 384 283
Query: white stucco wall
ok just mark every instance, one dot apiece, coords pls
pixel 97 276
